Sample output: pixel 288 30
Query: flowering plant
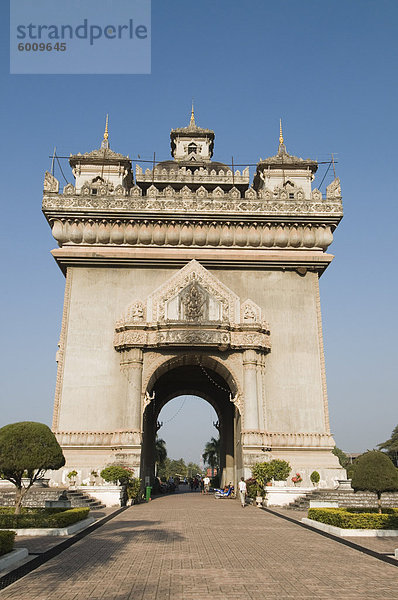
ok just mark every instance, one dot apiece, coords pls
pixel 297 478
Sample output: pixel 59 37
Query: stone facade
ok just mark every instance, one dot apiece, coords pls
pixel 187 273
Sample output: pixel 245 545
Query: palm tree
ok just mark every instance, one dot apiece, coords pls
pixel 160 453
pixel 211 454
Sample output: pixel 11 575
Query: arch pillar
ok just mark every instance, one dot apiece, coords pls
pixel 131 364
pixel 250 387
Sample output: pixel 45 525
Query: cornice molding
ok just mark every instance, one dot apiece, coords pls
pixel 245 258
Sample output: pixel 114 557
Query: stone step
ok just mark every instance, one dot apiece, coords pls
pixel 345 498
pixel 37 496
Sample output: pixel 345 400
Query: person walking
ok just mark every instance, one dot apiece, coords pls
pixel 242 492
pixel 206 482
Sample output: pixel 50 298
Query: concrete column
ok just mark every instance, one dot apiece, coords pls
pixel 132 365
pixel 250 386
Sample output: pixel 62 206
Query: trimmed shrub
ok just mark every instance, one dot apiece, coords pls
pixel 68 517
pixel 44 517
pixel 340 517
pixel 27 450
pixel 115 473
pixel 315 477
pixel 375 472
pixel 6 541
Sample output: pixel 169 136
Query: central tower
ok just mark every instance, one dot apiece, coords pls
pixel 186 279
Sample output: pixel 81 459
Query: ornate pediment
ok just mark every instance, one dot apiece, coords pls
pixel 171 301
pixel 193 308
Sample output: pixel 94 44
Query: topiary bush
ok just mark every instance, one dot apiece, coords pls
pixel 114 474
pixel 42 517
pixel 340 517
pixel 315 477
pixel 27 451
pixel 375 472
pixel 6 541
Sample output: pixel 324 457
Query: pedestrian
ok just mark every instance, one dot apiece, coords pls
pixel 242 492
pixel 206 482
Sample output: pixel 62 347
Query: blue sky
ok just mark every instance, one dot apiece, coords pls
pixel 329 70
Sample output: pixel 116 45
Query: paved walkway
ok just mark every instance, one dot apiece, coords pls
pixel 190 547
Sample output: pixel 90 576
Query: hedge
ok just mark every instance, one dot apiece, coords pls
pixel 341 517
pixel 6 541
pixel 42 518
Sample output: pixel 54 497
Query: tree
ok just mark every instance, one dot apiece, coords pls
pixel 193 469
pixel 375 472
pixel 178 468
pixel 391 446
pixel 211 454
pixel 172 468
pixel 342 456
pixel 160 453
pixel 27 451
pixel 164 470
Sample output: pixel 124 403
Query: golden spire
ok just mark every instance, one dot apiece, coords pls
pixel 106 129
pixel 192 121
pixel 280 132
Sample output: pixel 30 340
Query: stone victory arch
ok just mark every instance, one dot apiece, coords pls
pixel 186 279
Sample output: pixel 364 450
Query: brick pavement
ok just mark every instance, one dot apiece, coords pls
pixel 189 547
pixel 382 545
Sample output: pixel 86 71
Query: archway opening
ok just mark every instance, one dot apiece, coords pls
pixel 186 424
pixel 204 379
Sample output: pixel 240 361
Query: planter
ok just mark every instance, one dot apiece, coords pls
pixel 42 482
pixel 110 495
pixel 38 483
pixel 340 532
pixel 259 501
pixel 279 483
pixel 344 484
pixel 281 496
pixel 4 483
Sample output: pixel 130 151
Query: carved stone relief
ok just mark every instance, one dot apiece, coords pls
pixel 193 308
pixel 51 184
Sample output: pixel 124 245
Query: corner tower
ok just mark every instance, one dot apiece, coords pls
pixel 191 280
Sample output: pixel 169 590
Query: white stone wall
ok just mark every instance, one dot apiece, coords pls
pixel 292 384
pixel 94 390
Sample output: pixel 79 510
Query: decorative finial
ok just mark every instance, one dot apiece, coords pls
pixel 192 121
pixel 105 141
pixel 282 148
pixel 106 129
